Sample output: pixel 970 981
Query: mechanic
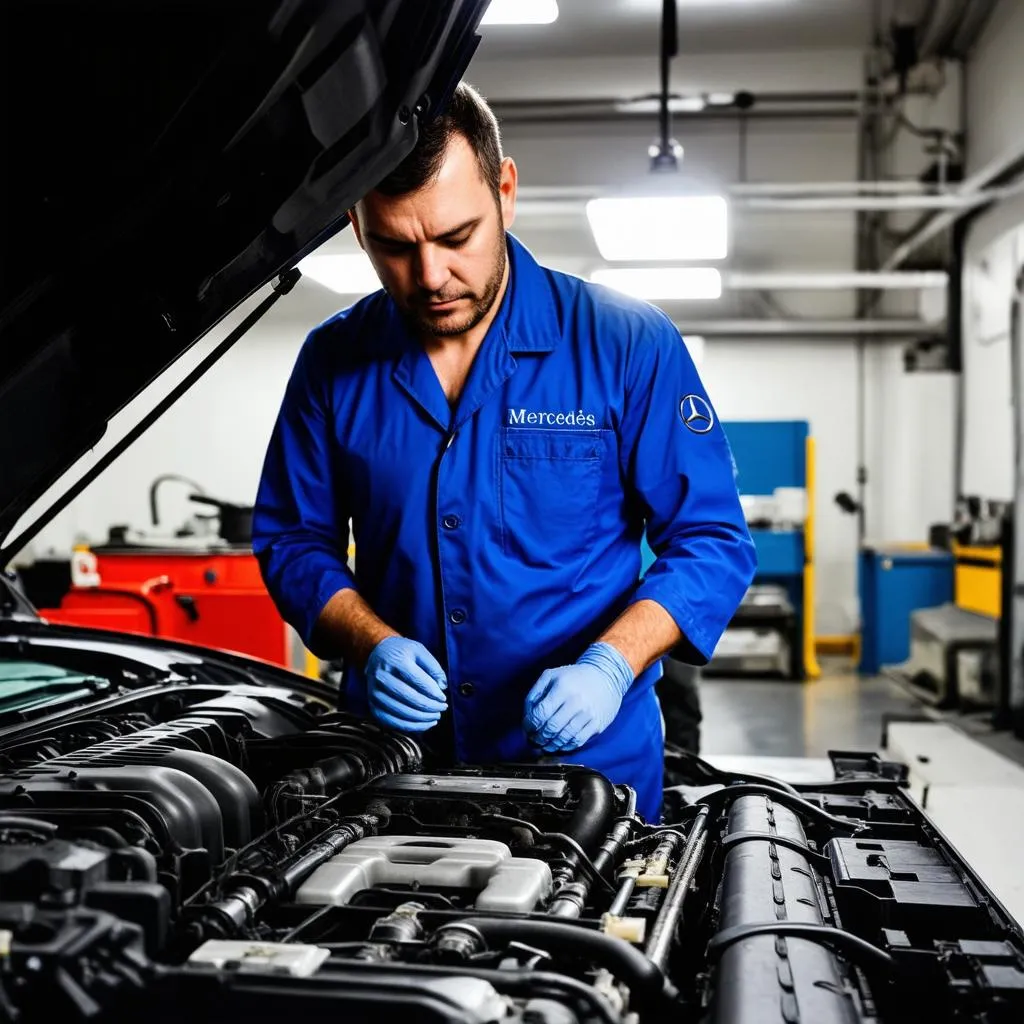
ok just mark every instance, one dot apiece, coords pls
pixel 499 435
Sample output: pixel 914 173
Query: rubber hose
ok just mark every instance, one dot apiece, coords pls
pixel 331 774
pixel 851 946
pixel 348 830
pixel 628 964
pixel 27 824
pixel 591 820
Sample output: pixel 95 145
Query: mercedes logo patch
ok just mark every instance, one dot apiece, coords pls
pixel 696 414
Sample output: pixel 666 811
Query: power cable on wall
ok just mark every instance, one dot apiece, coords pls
pixel 743 141
pixel 867 259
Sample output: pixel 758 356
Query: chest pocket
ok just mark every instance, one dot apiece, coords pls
pixel 550 481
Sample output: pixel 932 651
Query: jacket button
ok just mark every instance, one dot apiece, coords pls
pixel 466 689
pixel 457 617
pixel 451 522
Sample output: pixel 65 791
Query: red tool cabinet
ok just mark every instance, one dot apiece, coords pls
pixel 215 598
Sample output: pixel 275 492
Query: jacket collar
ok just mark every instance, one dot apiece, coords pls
pixel 532 323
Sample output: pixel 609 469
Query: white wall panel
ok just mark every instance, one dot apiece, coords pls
pixel 994 254
pixel 988 416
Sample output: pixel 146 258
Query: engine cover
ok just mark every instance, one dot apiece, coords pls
pixel 506 884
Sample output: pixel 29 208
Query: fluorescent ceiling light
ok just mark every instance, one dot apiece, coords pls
pixel 344 273
pixel 660 227
pixel 662 283
pixel 521 12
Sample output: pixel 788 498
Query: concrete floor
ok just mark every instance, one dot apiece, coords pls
pixel 839 711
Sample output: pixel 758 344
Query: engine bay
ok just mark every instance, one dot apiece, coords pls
pixel 197 841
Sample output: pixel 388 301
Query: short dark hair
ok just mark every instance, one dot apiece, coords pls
pixel 467 115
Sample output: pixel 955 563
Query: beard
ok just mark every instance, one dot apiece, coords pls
pixel 449 325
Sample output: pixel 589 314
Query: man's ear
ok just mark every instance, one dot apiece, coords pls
pixel 355 227
pixel 508 185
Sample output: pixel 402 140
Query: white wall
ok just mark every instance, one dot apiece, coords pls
pixel 994 252
pixel 911 429
pixel 812 380
pixel 216 434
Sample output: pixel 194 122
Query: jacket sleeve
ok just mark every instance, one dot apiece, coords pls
pixel 300 529
pixel 678 461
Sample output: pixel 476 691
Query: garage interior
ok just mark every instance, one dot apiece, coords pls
pixel 861 338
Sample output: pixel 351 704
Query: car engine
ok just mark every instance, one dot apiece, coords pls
pixel 210 847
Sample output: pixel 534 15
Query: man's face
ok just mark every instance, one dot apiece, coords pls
pixel 440 252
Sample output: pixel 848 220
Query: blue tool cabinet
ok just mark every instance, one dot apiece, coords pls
pixel 895 581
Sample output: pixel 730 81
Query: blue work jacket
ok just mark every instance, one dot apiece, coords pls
pixel 505 534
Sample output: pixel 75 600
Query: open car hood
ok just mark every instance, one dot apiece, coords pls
pixel 165 161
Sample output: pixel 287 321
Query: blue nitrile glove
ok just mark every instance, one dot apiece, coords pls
pixel 405 685
pixel 568 706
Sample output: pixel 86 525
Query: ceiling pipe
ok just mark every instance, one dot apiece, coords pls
pixel 1008 164
pixel 738 280
pixel 976 17
pixel 697 106
pixel 952 204
pixel 832 188
pixel 786 329
pixel 643 105
pixel 865 203
pixel 753 192
pixel 931 24
pixel 570 115
pixel 952 27
pixel 761 188
pixel 640 104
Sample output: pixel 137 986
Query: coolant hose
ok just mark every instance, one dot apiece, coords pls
pixel 300 866
pixel 588 826
pixel 590 821
pixel 645 979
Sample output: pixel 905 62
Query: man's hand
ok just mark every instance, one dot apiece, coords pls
pixel 405 685
pixel 570 705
